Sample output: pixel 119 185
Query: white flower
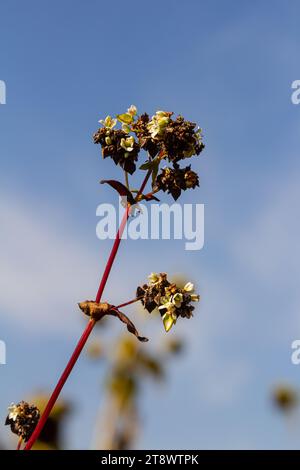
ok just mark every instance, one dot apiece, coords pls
pixel 126 128
pixel 189 287
pixel 195 298
pixel 127 144
pixel 161 114
pixel 177 299
pixel 153 278
pixel 169 306
pixel 13 412
pixel 132 110
pixel 158 123
pixel 198 134
pixel 108 122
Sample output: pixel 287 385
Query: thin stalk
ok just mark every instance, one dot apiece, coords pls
pixel 81 343
pixel 129 302
pixel 19 443
pixel 127 180
pixel 118 241
pixel 112 255
pixel 141 190
pixel 60 384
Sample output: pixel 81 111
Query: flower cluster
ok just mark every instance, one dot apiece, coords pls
pixel 22 419
pixel 172 301
pixel 181 139
pixel 163 137
pixel 173 139
pixel 174 180
pixel 118 145
pixel 141 130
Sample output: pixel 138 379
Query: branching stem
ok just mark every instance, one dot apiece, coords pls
pixel 81 343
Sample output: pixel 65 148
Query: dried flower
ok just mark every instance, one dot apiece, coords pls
pixel 181 140
pixel 171 300
pixel 161 136
pixel 22 419
pixel 140 128
pixel 93 309
pixel 175 180
pixel 96 311
pixel 118 145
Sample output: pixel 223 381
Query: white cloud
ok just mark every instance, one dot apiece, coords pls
pixel 221 367
pixel 269 246
pixel 268 251
pixel 45 268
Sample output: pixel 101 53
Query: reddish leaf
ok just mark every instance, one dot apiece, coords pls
pixel 121 189
pixel 130 326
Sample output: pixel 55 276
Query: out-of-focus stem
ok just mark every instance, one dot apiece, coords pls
pixel 19 443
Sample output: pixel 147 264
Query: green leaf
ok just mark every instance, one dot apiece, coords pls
pixel 156 163
pixel 168 321
pixel 125 118
pixel 147 165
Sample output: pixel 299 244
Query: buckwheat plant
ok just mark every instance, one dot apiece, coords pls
pixel 125 139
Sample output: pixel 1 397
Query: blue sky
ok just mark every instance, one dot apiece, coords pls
pixel 229 67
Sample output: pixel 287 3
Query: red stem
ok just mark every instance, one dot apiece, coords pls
pixel 129 302
pixel 118 241
pixel 60 385
pixel 88 329
pixel 112 255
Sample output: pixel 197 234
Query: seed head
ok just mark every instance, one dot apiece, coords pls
pixel 172 301
pixel 174 180
pixel 118 145
pixel 182 140
pixel 140 128
pixel 22 419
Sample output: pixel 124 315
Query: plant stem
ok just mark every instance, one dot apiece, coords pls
pixel 129 302
pixel 118 241
pixel 60 384
pixel 88 329
pixel 141 190
pixel 19 443
pixel 126 180
pixel 112 255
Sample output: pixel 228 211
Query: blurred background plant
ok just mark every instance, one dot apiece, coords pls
pixel 127 370
pixel 285 398
pixel 119 420
pixel 52 436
